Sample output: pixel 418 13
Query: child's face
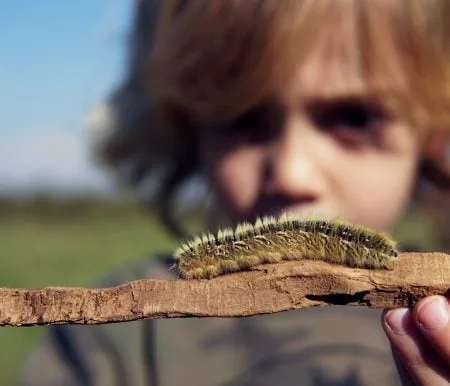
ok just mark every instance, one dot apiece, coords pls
pixel 323 145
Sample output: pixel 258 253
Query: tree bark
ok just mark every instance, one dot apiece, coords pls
pixel 265 289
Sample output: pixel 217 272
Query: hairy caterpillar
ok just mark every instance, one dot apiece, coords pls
pixel 271 240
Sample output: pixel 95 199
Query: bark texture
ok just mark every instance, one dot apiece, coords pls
pixel 265 289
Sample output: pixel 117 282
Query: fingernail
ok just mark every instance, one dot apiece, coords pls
pixel 433 313
pixel 397 320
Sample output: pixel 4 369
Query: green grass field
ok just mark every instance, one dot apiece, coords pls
pixel 36 251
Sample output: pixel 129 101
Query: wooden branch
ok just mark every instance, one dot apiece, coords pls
pixel 266 289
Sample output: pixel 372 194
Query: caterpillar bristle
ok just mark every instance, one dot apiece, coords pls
pixel 270 239
pixel 244 230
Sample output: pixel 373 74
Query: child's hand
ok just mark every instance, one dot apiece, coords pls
pixel 420 341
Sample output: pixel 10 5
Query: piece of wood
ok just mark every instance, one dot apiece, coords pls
pixel 265 289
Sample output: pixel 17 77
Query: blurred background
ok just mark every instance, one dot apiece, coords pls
pixel 63 221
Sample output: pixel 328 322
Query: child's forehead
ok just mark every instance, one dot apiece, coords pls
pixel 344 62
pixel 219 63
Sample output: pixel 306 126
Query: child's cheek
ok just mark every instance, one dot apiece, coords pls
pixel 378 197
pixel 236 178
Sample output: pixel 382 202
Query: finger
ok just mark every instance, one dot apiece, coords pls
pixel 431 315
pixel 403 373
pixel 422 363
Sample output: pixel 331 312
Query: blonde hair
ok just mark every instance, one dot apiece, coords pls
pixel 199 62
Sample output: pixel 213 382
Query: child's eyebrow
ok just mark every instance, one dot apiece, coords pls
pixel 327 94
pixel 370 101
pixel 380 99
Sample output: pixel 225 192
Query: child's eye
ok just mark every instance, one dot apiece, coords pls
pixel 351 121
pixel 355 117
pixel 255 126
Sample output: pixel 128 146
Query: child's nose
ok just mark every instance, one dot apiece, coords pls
pixel 295 170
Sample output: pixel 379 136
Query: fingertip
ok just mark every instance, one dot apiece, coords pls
pixel 398 321
pixel 432 313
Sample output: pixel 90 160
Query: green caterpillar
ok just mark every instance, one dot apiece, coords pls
pixel 271 240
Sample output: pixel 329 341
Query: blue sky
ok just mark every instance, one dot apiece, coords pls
pixel 58 58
